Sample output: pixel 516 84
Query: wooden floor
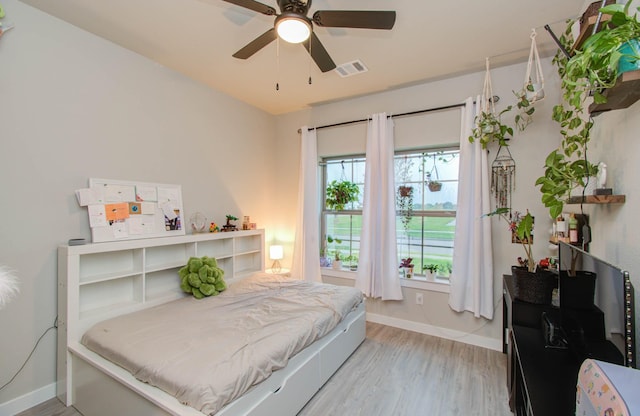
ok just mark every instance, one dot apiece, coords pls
pixel 399 373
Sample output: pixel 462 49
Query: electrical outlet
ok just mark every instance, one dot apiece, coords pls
pixel 419 299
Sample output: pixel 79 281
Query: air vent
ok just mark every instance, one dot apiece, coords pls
pixel 351 68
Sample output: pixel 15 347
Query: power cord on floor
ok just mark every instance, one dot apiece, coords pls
pixel 54 326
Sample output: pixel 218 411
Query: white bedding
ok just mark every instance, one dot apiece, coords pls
pixel 209 352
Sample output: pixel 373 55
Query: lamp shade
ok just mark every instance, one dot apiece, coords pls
pixel 276 253
pixel 292 28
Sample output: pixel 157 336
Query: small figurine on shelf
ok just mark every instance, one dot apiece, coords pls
pixel 213 228
pixel 245 223
pixel 228 226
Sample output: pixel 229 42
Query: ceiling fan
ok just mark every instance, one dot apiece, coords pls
pixel 293 25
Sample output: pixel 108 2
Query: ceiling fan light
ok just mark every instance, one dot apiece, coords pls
pixel 292 29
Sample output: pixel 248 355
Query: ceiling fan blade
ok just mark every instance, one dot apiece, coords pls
pixel 359 19
pixel 256 44
pixel 254 5
pixel 319 53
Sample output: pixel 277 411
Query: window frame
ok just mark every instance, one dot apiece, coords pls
pixel 419 279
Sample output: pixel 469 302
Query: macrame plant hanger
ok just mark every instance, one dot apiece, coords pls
pixel 534 74
pixel 503 177
pixel 487 105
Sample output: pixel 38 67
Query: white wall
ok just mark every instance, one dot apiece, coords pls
pixel 74 106
pixel 529 149
pixel 614 228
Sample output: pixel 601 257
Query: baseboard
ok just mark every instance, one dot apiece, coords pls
pixel 451 334
pixel 27 401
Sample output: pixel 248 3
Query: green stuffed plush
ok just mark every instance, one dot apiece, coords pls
pixel 202 277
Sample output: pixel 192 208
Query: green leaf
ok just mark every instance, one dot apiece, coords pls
pixel 599 98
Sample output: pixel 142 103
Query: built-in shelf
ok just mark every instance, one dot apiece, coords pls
pixel 622 95
pixel 597 199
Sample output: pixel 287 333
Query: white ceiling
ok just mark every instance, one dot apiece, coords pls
pixel 430 40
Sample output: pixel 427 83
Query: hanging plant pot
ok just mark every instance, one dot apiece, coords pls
pixel 434 186
pixel 341 193
pixel 534 77
pixel 404 203
pixel 405 191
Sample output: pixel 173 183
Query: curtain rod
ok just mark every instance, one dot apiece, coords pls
pixel 411 113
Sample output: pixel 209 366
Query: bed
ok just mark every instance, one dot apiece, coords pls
pixel 293 336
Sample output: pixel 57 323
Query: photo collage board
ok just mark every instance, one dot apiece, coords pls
pixel 127 210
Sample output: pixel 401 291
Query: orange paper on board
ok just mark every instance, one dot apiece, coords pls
pixel 117 212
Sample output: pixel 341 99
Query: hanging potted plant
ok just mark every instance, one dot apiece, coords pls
pixel 341 193
pixel 533 88
pixel 404 202
pixel 404 193
pixel 434 185
pixel 488 125
pixel 490 129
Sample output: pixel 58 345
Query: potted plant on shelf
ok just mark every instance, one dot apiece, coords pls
pixel 596 64
pixel 406 265
pixel 341 193
pixel 337 262
pixel 431 270
pixel 594 67
pixel 531 284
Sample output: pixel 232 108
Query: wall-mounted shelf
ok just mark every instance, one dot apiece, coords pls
pixel 597 199
pixel 622 95
pixel 587 29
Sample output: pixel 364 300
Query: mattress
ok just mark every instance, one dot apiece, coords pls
pixel 208 352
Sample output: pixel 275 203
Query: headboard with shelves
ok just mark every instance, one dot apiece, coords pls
pixel 102 280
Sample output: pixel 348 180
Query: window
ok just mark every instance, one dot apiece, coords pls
pixel 425 210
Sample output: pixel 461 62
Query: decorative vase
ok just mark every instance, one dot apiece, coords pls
pixel 337 264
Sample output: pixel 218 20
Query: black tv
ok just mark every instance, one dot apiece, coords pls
pixel 613 296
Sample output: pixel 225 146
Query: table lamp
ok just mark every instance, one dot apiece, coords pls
pixel 276 253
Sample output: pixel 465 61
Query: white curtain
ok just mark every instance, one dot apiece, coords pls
pixel 306 248
pixel 378 262
pixel 472 276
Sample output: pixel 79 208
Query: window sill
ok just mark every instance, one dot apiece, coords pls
pixel 416 282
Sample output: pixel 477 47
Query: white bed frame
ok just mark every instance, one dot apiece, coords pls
pixel 99 281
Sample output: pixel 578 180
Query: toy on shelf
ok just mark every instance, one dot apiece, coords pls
pixel 228 226
pixel 213 228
